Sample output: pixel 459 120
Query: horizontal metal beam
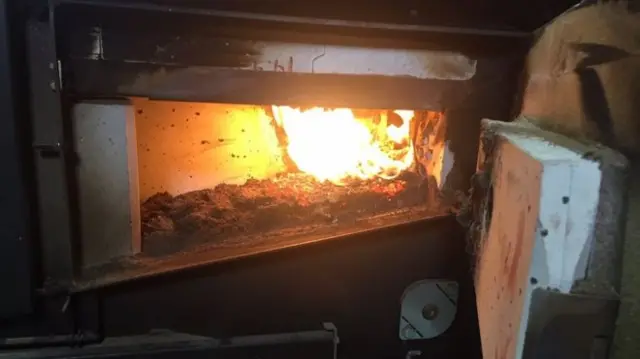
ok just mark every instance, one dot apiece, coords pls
pixel 320 344
pixel 218 50
pixel 302 20
pixel 98 78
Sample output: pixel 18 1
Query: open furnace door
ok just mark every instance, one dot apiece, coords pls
pixel 547 231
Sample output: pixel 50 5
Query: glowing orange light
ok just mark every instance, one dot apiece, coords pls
pixel 332 144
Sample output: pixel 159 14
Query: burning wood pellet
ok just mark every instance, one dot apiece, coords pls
pixel 287 201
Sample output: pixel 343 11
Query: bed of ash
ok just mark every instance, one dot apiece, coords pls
pixel 262 206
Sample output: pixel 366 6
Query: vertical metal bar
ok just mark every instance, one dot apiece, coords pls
pixel 51 155
pixel 15 264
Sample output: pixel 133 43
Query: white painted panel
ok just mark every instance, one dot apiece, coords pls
pixel 331 59
pixel 552 218
pixel 107 172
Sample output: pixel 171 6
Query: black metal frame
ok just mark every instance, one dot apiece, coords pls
pixel 16 241
pixel 320 343
pixel 52 154
pixel 204 49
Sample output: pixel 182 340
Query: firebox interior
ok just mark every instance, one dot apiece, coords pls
pixel 234 180
pixel 227 174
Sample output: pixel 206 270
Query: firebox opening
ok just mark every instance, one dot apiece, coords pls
pixel 235 175
pixel 169 185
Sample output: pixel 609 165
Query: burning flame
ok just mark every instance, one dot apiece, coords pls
pixel 334 145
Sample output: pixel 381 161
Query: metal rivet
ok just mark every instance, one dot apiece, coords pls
pixel 544 232
pixel 533 280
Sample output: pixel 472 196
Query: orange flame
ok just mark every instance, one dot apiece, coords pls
pixel 333 145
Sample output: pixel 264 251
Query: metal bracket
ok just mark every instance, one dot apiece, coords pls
pixel 330 327
pixel 50 158
pixel 48 150
pixel 428 308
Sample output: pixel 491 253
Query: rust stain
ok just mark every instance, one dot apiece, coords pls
pixel 277 67
pixel 506 252
pixel 512 275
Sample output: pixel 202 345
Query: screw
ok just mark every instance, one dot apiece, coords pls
pixel 65 306
pixel 430 312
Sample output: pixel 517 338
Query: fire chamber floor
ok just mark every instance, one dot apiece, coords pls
pixel 145 265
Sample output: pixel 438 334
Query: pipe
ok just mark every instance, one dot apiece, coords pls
pixel 78 339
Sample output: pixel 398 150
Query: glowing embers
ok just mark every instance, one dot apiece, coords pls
pixel 334 144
